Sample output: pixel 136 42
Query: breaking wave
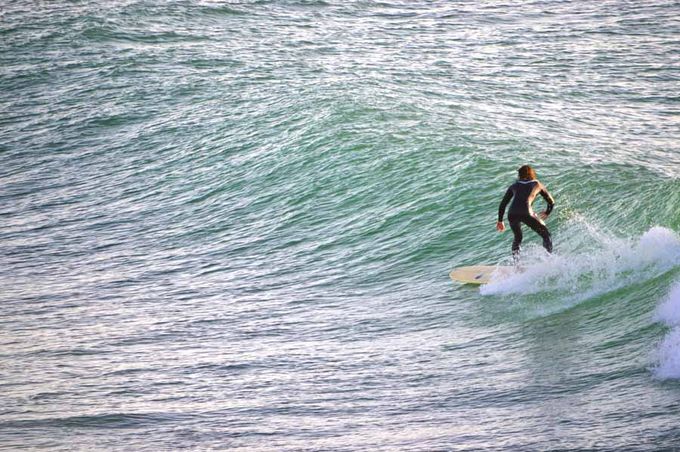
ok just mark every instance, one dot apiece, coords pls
pixel 608 264
pixel 668 351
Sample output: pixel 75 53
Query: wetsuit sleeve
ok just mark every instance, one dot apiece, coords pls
pixel 504 203
pixel 548 198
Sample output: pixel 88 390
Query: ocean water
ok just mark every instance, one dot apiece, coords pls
pixel 229 225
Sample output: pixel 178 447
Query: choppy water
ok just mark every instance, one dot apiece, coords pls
pixel 229 225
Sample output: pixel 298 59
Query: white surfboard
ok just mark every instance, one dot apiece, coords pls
pixel 479 274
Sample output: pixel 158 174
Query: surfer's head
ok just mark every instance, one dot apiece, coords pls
pixel 526 173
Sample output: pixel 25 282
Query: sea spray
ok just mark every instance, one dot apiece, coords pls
pixel 608 263
pixel 668 350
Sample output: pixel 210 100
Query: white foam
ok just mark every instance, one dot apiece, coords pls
pixel 603 263
pixel 668 311
pixel 668 350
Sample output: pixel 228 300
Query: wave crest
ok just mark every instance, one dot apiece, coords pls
pixel 609 263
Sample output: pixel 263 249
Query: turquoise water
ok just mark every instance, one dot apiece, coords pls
pixel 229 225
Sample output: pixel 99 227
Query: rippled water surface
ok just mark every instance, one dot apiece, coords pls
pixel 229 225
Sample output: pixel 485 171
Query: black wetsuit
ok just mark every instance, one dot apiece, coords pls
pixel 523 193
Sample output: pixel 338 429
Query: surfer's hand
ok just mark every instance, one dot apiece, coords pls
pixel 500 227
pixel 543 215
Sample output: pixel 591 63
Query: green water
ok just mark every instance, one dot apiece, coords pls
pixel 229 225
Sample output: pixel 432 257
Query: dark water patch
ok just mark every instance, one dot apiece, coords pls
pixel 221 11
pixel 225 369
pixel 129 371
pixel 106 420
pixel 46 397
pixel 68 352
pixel 120 33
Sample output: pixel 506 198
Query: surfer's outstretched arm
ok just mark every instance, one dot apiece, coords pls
pixel 501 209
pixel 549 200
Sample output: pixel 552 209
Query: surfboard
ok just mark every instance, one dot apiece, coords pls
pixel 478 274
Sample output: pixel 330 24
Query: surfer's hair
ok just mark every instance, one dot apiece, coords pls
pixel 526 173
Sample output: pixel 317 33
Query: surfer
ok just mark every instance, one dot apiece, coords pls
pixel 523 192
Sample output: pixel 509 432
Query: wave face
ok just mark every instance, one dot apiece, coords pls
pixel 228 225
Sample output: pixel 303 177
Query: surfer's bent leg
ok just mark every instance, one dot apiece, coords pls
pixel 516 226
pixel 541 229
